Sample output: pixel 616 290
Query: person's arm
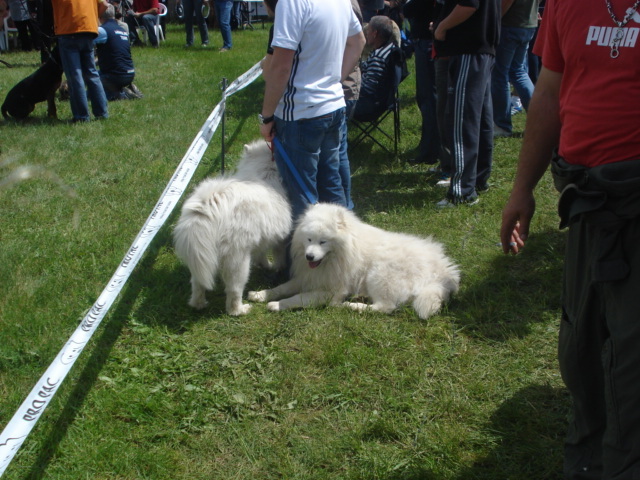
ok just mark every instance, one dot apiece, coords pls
pixel 265 63
pixel 275 85
pixel 458 15
pixel 541 137
pixel 352 52
pixel 102 6
pixel 102 36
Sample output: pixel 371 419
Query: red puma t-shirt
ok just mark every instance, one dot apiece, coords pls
pixel 600 95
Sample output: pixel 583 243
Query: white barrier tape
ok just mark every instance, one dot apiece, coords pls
pixel 25 418
pixel 245 79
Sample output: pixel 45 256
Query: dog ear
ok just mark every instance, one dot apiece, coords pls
pixel 341 219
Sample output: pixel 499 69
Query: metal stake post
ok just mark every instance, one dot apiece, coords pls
pixel 224 114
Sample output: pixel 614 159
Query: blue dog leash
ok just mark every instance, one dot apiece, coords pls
pixel 294 171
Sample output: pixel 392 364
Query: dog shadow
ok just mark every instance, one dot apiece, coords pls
pixel 36 120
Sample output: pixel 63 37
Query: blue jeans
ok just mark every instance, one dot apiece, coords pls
pixel 148 21
pixel 429 148
pixel 78 62
pixel 223 14
pixel 113 85
pixel 236 12
pixel 191 7
pixel 511 66
pixel 313 146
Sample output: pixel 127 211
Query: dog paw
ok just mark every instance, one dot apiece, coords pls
pixel 242 309
pixel 198 304
pixel 273 306
pixel 260 296
pixel 356 307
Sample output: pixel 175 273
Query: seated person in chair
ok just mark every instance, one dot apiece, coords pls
pixel 114 59
pixel 143 14
pixel 378 70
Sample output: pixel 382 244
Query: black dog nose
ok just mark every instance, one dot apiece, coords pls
pixel 310 257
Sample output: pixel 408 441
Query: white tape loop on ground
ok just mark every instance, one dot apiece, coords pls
pixel 23 421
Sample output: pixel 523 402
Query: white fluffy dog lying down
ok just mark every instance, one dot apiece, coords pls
pixel 229 220
pixel 335 255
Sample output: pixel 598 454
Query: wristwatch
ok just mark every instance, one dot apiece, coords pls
pixel 265 120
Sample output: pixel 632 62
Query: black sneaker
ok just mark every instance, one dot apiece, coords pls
pixel 448 202
pixel 131 91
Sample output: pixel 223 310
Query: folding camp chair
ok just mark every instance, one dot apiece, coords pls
pixel 368 126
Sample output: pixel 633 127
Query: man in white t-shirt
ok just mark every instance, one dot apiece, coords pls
pixel 316 44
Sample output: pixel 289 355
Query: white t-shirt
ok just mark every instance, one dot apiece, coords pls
pixel 317 31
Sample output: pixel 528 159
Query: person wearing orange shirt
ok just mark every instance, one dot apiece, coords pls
pixel 76 26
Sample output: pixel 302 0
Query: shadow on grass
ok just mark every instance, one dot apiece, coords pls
pixel 111 329
pixel 375 191
pixel 39 118
pixel 529 429
pixel 145 278
pixel 514 292
pixel 167 291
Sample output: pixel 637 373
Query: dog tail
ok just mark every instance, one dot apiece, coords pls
pixel 195 244
pixel 430 299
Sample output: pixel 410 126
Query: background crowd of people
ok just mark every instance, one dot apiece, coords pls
pixel 86 31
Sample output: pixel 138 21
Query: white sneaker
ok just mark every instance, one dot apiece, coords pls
pixel 445 203
pixel 516 105
pixel 444 181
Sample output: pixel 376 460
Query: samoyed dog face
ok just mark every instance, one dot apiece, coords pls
pixel 317 241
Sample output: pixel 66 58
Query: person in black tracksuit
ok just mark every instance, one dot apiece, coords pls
pixel 467 32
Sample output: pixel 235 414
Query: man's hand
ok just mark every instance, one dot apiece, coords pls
pixel 268 131
pixel 516 218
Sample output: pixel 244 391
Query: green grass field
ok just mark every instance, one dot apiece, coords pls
pixel 165 392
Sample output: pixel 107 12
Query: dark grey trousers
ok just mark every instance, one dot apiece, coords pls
pixel 599 343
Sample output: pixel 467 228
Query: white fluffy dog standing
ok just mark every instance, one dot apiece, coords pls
pixel 335 255
pixel 229 221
